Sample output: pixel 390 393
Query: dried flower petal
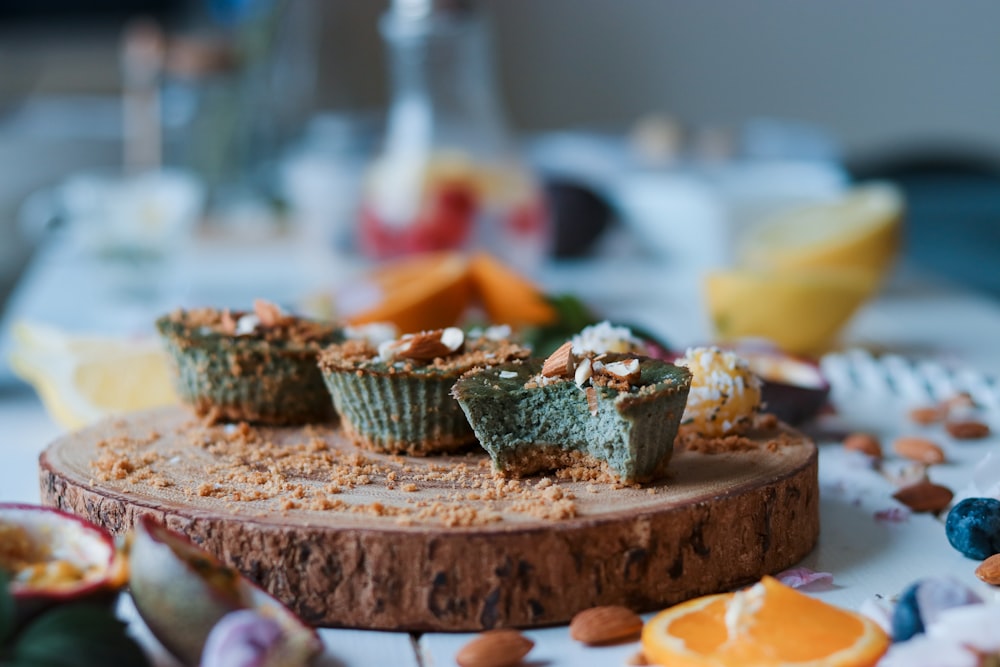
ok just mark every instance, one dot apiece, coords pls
pixel 935 595
pixel 974 626
pixel 924 651
pixel 892 515
pixel 801 577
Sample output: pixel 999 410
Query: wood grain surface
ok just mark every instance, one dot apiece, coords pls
pixel 349 538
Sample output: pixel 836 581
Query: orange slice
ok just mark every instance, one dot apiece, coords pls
pixel 508 297
pixel 400 272
pixel 421 293
pixel 767 625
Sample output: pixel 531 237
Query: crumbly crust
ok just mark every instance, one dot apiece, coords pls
pixel 571 465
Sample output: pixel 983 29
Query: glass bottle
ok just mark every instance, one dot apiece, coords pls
pixel 448 176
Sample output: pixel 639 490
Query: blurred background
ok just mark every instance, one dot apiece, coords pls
pixel 275 113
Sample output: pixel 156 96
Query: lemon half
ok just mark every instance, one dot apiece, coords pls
pixel 82 379
pixel 859 230
pixel 801 311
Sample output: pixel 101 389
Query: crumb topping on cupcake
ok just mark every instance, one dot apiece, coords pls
pixel 725 393
pixel 266 321
pixel 257 366
pixel 442 350
pixel 396 397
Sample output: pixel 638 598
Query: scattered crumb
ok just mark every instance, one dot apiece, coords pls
pixel 759 434
pixel 260 471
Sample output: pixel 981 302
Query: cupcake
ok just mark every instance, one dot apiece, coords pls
pixel 395 397
pixel 613 411
pixel 257 366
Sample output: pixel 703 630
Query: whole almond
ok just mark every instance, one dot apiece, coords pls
pixel 866 443
pixel 930 414
pixel 917 449
pixel 604 625
pixel 227 322
pixel 428 345
pixel 268 313
pixel 560 363
pixel 637 660
pixel 495 648
pixel 989 570
pixel 924 496
pixel 967 430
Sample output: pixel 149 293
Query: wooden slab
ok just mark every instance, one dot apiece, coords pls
pixel 353 539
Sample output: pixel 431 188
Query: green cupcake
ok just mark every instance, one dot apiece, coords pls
pixel 255 366
pixel 613 412
pixel 397 398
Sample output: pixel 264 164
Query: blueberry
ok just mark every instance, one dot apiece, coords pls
pixel 906 620
pixel 973 527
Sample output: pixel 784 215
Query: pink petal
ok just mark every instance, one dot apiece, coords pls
pixel 892 515
pixel 800 577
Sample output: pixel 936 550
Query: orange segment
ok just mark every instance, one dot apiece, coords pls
pixel 400 272
pixel 418 294
pixel 508 297
pixel 767 625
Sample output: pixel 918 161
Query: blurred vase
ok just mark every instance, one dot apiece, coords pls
pixel 448 176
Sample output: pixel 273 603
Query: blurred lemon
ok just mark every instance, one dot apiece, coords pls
pixel 800 310
pixel 859 230
pixel 82 379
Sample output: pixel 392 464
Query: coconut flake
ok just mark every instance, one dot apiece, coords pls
pixel 247 324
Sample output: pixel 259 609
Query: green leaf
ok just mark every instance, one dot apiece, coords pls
pixel 571 316
pixel 77 635
pixel 6 608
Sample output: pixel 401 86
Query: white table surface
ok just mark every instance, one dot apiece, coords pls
pixel 950 333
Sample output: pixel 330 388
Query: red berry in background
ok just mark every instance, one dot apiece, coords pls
pixel 447 222
pixel 456 198
pixel 444 222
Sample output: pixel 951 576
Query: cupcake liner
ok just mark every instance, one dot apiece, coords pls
pixel 413 415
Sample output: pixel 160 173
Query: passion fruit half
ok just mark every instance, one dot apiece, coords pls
pixel 794 388
pixel 182 592
pixel 52 557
